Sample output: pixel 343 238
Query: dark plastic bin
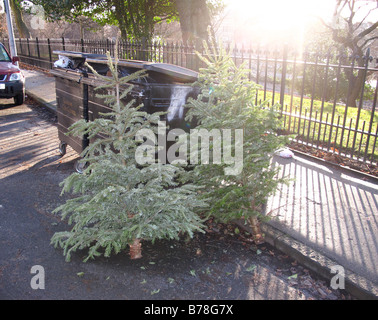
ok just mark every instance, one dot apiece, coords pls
pixel 165 88
pixel 72 106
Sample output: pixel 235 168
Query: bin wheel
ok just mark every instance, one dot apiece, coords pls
pixel 80 166
pixel 62 148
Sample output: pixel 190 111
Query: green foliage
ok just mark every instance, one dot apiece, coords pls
pixel 135 18
pixel 321 81
pixel 118 201
pixel 226 101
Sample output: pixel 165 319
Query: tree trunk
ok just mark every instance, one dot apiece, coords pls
pixel 356 81
pixel 355 88
pixel 194 20
pixel 19 20
pixel 257 235
pixel 119 13
pixel 136 250
pixel 81 28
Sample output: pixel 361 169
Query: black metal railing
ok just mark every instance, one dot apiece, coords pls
pixel 314 89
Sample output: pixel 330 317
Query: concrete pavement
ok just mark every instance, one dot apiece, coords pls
pixel 326 217
pixel 40 86
pixel 329 216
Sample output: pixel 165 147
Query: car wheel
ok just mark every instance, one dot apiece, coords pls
pixel 19 99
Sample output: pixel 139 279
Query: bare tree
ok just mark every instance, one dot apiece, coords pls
pixel 351 29
pixel 350 32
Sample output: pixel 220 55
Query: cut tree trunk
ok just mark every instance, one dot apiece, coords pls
pixel 136 249
pixel 257 234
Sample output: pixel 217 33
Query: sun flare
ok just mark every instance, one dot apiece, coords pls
pixel 273 19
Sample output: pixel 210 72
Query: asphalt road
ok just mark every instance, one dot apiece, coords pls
pixel 222 264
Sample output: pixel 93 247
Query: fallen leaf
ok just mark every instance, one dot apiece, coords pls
pixel 251 268
pixel 155 291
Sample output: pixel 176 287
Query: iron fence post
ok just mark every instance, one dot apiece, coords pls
pixel 283 76
pixel 366 58
pixel 22 52
pixel 371 122
pixel 38 52
pixel 49 47
pixel 27 42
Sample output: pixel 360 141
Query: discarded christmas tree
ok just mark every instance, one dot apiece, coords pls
pixel 118 202
pixel 226 105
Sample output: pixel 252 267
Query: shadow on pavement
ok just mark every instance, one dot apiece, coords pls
pixel 330 210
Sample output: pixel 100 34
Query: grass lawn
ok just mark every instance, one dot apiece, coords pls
pixel 313 121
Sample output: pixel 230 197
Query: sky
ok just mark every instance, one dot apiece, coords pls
pixel 279 19
pixel 291 11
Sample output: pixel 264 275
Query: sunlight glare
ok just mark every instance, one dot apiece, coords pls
pixel 278 14
pixel 273 19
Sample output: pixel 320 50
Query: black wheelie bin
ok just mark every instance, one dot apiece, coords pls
pixel 165 88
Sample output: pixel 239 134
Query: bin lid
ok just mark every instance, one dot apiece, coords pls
pixel 177 72
pixel 75 54
pixel 174 71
